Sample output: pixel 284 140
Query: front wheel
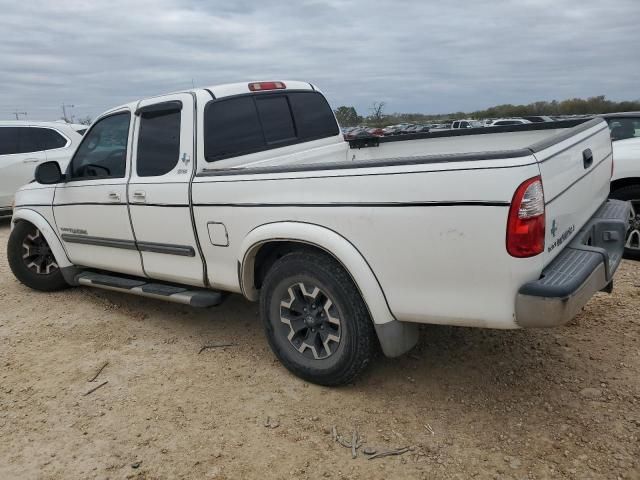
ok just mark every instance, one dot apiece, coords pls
pixel 631 194
pixel 315 319
pixel 31 259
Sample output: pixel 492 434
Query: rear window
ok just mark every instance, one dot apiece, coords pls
pixel 158 143
pixel 253 123
pixel 276 119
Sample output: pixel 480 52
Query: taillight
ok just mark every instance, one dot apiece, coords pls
pixel 260 86
pixel 526 223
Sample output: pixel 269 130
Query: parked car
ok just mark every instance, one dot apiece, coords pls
pixel 395 129
pixel 538 118
pixel 501 122
pixel 23 146
pixel 466 124
pixel 345 249
pixel 375 131
pixel 357 132
pixel 625 183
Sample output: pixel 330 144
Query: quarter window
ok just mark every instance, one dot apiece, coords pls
pixel 103 151
pixel 158 143
pixel 44 139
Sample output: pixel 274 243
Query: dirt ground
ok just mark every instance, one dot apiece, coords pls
pixel 561 403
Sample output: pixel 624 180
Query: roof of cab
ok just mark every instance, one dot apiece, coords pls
pixel 229 89
pixel 220 91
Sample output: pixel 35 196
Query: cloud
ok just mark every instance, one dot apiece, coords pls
pixel 418 56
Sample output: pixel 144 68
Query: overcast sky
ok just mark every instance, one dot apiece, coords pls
pixel 432 56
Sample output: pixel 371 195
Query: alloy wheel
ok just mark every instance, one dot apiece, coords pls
pixel 37 254
pixel 313 321
pixel 633 235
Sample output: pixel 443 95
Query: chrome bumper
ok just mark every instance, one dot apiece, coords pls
pixel 584 267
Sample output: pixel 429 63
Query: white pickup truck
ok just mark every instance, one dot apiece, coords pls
pixel 251 189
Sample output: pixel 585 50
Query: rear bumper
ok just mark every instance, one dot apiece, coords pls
pixel 583 268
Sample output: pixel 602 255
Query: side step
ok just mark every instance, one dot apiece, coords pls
pixel 196 297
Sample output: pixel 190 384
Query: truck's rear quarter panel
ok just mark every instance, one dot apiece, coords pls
pixel 434 235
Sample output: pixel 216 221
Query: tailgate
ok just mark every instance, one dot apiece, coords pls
pixel 576 170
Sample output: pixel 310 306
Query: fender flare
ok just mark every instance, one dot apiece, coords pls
pixel 42 224
pixel 328 240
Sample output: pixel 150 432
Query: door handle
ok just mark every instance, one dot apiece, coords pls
pixel 139 196
pixel 114 197
pixel 587 158
pixel 31 160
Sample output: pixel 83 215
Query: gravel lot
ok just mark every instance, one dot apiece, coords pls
pixel 562 403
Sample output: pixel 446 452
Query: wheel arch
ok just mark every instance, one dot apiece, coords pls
pixel 624 182
pixel 293 235
pixel 42 224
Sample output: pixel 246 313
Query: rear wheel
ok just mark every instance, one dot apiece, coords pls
pixel 315 319
pixel 31 259
pixel 631 194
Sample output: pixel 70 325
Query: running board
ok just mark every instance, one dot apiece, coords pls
pixel 196 297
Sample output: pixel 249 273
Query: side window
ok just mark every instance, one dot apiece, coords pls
pixel 9 140
pixel 231 127
pixel 464 124
pixel 623 128
pixel 103 151
pixel 313 115
pixel 38 139
pixel 276 120
pixel 158 143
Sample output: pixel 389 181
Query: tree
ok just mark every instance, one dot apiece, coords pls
pixel 377 114
pixel 85 120
pixel 347 116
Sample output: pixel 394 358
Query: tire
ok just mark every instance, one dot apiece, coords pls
pixel 631 193
pixel 31 259
pixel 306 343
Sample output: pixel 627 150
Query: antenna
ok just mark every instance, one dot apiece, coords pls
pixel 64 112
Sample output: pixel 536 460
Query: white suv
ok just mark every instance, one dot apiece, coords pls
pixel 24 145
pixel 625 182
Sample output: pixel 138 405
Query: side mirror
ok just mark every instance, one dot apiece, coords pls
pixel 48 173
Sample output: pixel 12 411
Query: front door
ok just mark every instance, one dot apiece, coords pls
pixel 90 208
pixel 159 189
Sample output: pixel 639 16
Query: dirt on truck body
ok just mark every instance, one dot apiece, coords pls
pixel 465 403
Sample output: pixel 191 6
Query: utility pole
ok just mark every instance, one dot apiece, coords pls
pixel 64 112
pixel 17 114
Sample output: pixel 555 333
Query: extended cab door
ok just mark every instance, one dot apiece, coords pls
pixel 159 189
pixel 90 208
